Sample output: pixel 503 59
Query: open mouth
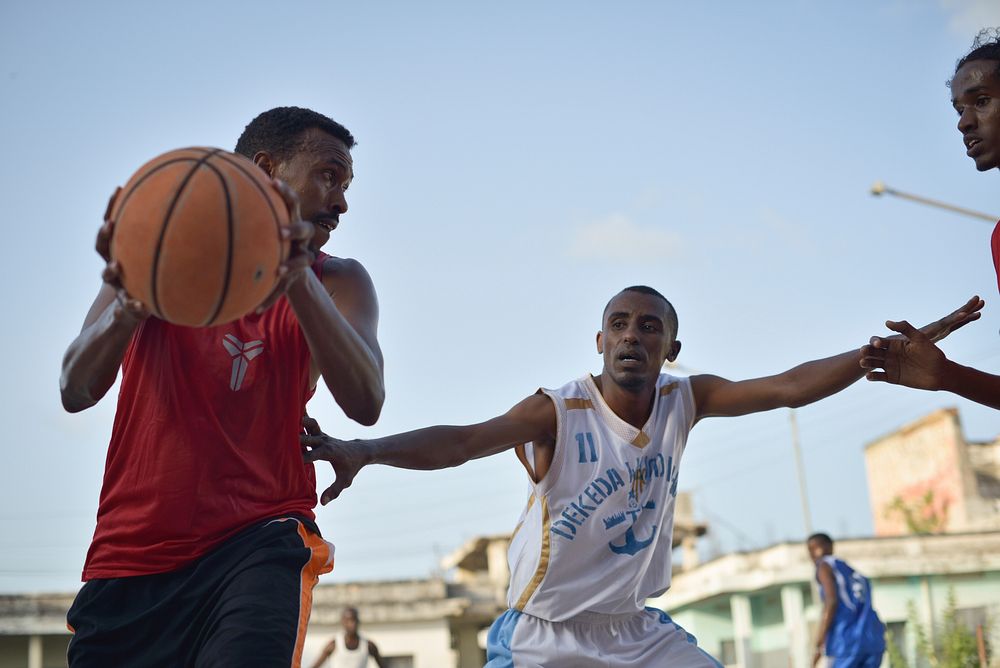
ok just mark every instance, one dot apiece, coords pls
pixel 327 224
pixel 629 359
pixel 971 143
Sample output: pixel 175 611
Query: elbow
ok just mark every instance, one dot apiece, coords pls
pixel 75 396
pixel 75 401
pixel 367 412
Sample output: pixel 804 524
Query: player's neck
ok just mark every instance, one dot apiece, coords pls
pixel 630 404
pixel 352 640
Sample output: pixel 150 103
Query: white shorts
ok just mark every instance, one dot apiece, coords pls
pixel 647 639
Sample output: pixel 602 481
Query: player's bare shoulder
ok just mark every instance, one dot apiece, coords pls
pixel 343 275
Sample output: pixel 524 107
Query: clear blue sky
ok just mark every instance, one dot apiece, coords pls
pixel 517 164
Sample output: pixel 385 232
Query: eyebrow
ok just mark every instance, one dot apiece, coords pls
pixel 968 91
pixel 644 316
pixel 348 168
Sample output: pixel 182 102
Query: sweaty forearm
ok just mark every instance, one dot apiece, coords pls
pixel 350 369
pixel 91 363
pixel 979 386
pixel 818 379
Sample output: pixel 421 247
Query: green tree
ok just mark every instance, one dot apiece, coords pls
pixel 954 643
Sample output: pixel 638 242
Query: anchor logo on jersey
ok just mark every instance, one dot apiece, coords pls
pixel 242 354
pixel 632 545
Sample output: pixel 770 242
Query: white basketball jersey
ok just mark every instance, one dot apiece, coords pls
pixel 596 533
pixel 350 658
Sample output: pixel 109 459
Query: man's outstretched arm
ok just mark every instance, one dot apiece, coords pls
pixel 806 383
pixel 914 361
pixel 533 419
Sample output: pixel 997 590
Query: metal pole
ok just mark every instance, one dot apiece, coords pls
pixel 879 188
pixel 800 471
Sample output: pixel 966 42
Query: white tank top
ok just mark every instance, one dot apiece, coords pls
pixel 596 533
pixel 350 658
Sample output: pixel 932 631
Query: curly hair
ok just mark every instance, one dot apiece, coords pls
pixel 279 130
pixel 986 46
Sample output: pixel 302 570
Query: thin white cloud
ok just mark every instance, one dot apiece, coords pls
pixel 616 237
pixel 970 16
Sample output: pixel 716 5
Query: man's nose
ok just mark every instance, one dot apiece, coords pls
pixel 339 203
pixel 966 120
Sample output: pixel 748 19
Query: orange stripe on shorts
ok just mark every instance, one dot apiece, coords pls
pixel 319 563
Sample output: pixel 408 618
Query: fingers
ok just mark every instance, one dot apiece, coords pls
pixel 311 425
pixel 906 329
pixel 291 198
pixel 111 204
pixel 130 307
pixel 872 358
pixel 332 492
pixel 103 243
pixel 970 317
pixel 877 376
pixel 973 305
pixel 112 275
pixel 298 231
pixel 317 448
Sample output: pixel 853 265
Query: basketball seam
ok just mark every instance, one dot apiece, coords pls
pixel 154 283
pixel 274 213
pixel 130 191
pixel 229 246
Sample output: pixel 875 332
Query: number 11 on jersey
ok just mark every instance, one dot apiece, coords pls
pixel 583 451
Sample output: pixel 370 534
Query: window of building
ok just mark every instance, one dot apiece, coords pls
pixel 897 632
pixel 727 652
pixel 398 661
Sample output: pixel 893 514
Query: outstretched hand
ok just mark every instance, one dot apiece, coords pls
pixel 960 317
pixel 346 457
pixel 911 360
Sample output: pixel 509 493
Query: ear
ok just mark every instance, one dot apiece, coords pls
pixel 600 344
pixel 675 350
pixel 265 161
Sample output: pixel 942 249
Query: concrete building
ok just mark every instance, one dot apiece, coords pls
pixel 756 609
pixel 926 478
pixel 935 502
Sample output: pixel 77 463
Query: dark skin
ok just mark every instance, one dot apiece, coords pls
pixel 637 338
pixel 818 550
pixel 349 620
pixel 338 314
pixel 913 360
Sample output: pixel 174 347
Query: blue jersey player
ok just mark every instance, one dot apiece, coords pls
pixel 850 632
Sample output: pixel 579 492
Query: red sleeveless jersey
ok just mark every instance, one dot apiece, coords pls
pixel 205 440
pixel 995 242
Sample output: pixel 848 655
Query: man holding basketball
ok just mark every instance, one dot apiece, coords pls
pixel 205 551
pixel 602 455
pixel 913 360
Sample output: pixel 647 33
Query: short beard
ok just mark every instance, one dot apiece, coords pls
pixel 630 383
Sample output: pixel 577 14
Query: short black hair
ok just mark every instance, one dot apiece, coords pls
pixel 821 538
pixel 986 46
pixel 279 131
pixel 646 290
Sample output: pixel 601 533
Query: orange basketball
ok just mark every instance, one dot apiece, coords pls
pixel 197 234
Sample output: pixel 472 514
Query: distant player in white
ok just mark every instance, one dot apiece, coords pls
pixel 603 454
pixel 349 649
